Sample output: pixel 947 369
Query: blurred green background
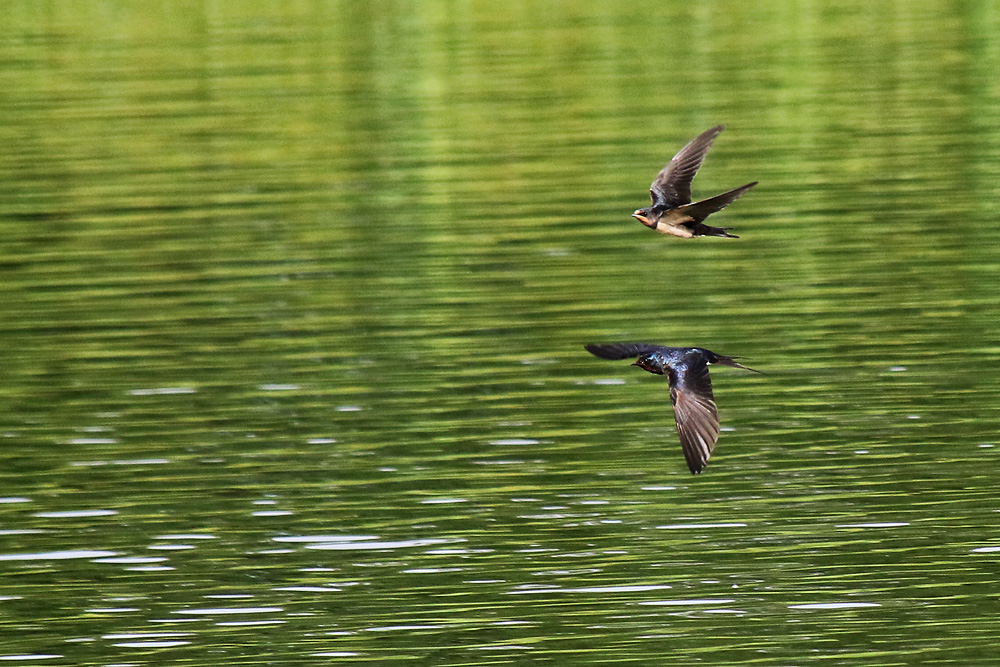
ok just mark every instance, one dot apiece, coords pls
pixel 321 273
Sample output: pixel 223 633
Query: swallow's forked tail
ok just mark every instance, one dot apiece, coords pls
pixel 731 361
pixel 701 229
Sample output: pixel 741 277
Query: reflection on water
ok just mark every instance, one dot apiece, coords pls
pixel 295 305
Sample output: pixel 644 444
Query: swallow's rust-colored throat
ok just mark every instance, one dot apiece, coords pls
pixel 643 219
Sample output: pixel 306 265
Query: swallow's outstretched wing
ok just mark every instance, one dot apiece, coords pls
pixel 672 186
pixel 700 210
pixel 622 350
pixel 694 411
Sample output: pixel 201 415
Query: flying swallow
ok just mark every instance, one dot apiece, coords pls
pixel 672 211
pixel 686 369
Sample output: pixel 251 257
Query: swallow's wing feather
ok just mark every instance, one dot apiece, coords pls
pixel 706 207
pixel 694 411
pixel 621 350
pixel 672 186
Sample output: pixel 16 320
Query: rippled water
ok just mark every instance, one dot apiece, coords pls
pixel 296 299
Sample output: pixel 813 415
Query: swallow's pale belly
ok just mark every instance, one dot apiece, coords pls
pixel 672 223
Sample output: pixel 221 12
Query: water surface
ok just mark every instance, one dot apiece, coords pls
pixel 295 300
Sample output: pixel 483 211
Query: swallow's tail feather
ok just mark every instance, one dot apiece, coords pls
pixel 731 361
pixel 701 229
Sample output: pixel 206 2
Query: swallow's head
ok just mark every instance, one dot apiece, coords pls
pixel 650 362
pixel 646 217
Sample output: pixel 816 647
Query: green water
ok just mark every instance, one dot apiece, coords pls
pixel 295 298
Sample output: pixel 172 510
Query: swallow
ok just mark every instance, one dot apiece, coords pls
pixel 686 369
pixel 672 211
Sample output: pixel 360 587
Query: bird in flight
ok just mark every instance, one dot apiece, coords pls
pixel 686 369
pixel 672 211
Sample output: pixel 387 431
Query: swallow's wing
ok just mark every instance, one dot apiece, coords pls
pixel 672 186
pixel 694 411
pixel 621 350
pixel 706 207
